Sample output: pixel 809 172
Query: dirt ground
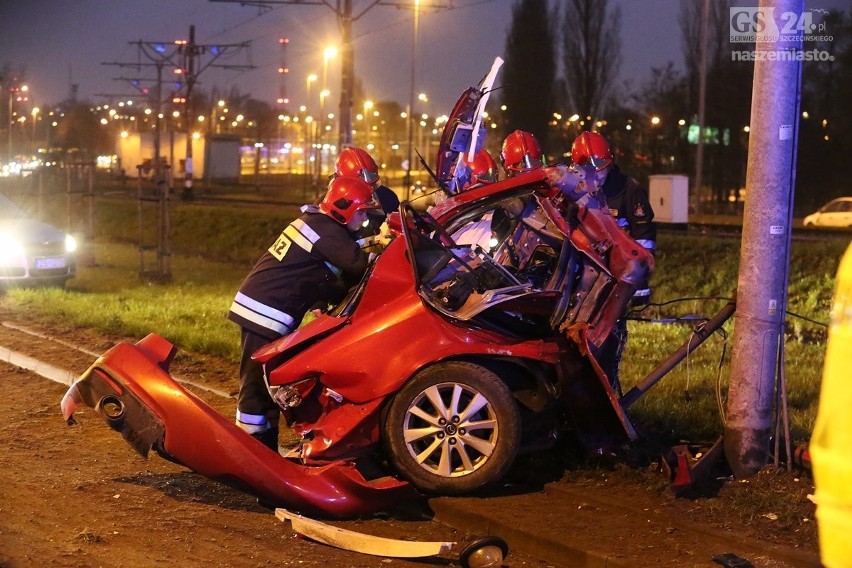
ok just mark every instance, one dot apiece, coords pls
pixel 79 496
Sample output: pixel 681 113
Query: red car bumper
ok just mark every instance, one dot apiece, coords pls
pixel 130 387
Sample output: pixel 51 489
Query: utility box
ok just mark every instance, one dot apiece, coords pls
pixel 222 154
pixel 669 196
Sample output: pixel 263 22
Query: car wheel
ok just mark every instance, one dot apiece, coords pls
pixel 454 428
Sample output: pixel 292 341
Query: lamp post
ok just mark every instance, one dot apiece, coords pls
pixel 321 131
pixel 308 80
pixel 214 123
pixel 421 123
pixel 327 54
pixel 410 111
pixel 368 105
pixel 34 113
pixel 655 147
pixel 309 124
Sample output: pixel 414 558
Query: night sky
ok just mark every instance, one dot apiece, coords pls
pixel 67 41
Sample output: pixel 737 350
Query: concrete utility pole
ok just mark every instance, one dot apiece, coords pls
pixel 764 259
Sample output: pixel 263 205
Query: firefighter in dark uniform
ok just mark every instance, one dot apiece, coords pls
pixel 357 162
pixel 311 264
pixel 629 203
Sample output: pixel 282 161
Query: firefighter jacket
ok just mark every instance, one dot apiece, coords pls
pixel 629 204
pixel 313 262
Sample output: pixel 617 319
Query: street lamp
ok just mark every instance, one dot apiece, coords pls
pixel 410 110
pixel 321 131
pixel 655 148
pixel 367 106
pixel 214 124
pixel 310 79
pixel 35 112
pixel 308 124
pixel 326 55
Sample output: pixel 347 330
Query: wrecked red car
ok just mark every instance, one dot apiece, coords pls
pixel 443 364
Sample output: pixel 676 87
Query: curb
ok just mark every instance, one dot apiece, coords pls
pixel 61 375
pixel 46 370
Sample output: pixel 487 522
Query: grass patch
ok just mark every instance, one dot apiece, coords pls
pixel 110 298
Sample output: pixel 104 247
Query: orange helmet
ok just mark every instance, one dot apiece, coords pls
pixel 355 162
pixel 345 196
pixel 591 148
pixel 521 153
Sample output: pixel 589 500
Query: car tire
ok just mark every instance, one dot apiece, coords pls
pixel 453 429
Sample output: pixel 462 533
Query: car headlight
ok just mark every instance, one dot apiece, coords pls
pixel 10 249
pixel 70 243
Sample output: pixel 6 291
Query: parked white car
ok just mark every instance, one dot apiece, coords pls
pixel 835 213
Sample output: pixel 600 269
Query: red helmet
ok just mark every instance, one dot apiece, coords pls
pixel 355 162
pixel 345 196
pixel 483 168
pixel 521 153
pixel 591 148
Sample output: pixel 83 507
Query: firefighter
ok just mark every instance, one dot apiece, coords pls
pixel 626 198
pixel 311 264
pixel 357 162
pixel 521 153
pixel 600 236
pixel 480 171
pixel 629 204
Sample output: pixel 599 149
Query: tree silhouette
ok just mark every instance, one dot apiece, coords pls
pixel 728 98
pixel 825 128
pixel 529 73
pixel 591 55
pixel 80 133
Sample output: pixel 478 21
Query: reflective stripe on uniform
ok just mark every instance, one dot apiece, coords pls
pixel 261 314
pixel 253 419
pixel 301 234
pixel 647 243
pixel 252 423
pixel 642 292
